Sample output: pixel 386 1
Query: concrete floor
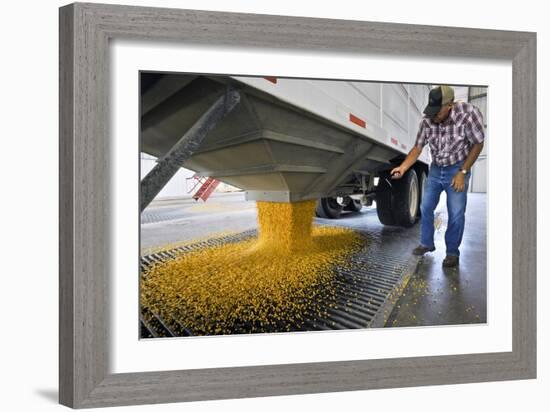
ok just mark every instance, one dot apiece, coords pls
pixel 433 296
pixel 166 222
pixel 443 296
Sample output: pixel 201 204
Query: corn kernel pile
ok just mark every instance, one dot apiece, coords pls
pixel 274 282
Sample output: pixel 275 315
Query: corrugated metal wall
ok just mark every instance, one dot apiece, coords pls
pixel 478 97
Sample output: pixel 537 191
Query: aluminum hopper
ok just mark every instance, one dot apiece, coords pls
pixel 271 149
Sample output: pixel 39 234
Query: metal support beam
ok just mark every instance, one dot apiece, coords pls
pixel 169 164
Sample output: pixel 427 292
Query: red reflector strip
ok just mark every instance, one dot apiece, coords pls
pixel 271 79
pixel 394 140
pixel 357 120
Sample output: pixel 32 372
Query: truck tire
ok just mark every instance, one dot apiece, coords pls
pixel 329 208
pixel 319 211
pixel 406 194
pixel 384 201
pixel 397 204
pixel 354 205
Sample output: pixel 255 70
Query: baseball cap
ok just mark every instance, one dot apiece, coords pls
pixel 438 97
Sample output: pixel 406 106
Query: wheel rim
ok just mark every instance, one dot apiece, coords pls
pixel 413 198
pixel 334 203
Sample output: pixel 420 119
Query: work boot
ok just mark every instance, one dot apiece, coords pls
pixel 450 261
pixel 420 250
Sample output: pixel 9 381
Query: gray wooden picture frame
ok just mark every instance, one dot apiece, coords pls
pixel 85 31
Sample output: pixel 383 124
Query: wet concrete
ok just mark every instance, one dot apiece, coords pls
pixel 443 296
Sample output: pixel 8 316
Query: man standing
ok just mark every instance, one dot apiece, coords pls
pixel 454 131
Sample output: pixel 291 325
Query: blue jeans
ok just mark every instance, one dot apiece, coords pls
pixel 439 180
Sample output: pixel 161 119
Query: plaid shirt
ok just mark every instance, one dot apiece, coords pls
pixel 451 141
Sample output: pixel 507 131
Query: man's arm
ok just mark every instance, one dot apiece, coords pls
pixel 475 133
pixel 411 158
pixel 472 156
pixel 419 143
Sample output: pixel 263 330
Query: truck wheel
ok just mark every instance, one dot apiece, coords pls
pixel 406 194
pixel 329 208
pixel 397 203
pixel 384 201
pixel 319 211
pixel 354 205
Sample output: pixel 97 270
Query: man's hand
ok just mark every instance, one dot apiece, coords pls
pixel 398 172
pixel 458 182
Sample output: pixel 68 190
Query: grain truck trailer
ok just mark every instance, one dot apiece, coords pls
pixel 288 140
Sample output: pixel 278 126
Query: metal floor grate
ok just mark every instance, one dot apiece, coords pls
pixel 365 290
pixel 162 215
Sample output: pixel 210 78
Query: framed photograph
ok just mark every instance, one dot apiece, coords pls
pixel 257 205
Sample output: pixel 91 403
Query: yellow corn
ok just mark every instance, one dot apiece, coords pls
pixel 254 285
